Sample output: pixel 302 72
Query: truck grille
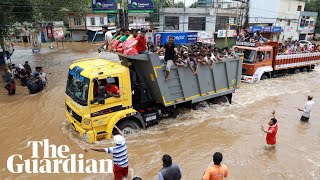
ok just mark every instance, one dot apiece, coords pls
pixel 74 114
pixel 244 71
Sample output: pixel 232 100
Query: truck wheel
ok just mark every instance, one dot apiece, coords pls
pixel 128 126
pixel 296 71
pixel 221 100
pixel 305 69
pixel 173 113
pixel 263 77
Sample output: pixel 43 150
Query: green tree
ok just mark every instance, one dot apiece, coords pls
pixel 314 6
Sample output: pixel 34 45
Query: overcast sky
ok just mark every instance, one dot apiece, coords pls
pixel 188 2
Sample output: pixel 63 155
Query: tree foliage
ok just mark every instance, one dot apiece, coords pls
pixel 314 6
pixel 34 11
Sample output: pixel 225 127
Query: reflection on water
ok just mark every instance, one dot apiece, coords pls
pixel 191 139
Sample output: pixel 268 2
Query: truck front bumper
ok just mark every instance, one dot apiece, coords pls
pixel 87 135
pixel 247 79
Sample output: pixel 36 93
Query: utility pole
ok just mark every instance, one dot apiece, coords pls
pixel 246 21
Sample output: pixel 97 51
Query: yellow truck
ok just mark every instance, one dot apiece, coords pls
pixel 93 108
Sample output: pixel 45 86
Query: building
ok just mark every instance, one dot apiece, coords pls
pixel 81 26
pixel 89 27
pixel 289 15
pixel 205 21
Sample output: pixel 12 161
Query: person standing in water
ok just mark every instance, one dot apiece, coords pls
pixel 120 156
pixel 271 137
pixel 307 109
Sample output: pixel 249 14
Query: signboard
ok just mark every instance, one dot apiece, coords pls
pixel 276 29
pixel 265 29
pixel 306 23
pixel 179 37
pixel 58 33
pixel 140 6
pixel 107 6
pixel 223 33
pixel 242 43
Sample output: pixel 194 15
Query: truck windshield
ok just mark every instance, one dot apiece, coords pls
pixel 248 55
pixel 77 88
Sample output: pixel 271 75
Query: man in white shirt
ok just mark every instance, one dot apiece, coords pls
pixel 108 37
pixel 307 109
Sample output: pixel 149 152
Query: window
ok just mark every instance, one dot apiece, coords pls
pixel 111 87
pixel 311 23
pixel 306 23
pixel 197 23
pixel 93 22
pixel 101 20
pixel 77 88
pixel 268 55
pixel 299 8
pixel 221 22
pixel 77 21
pixel 171 22
pixel 248 55
pixel 260 56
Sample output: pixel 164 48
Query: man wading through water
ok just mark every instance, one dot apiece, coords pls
pixel 120 157
pixel 271 137
pixel 307 109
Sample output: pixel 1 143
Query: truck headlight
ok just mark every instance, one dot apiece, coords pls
pixel 86 121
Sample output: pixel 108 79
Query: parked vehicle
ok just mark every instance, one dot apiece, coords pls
pixel 145 96
pixel 305 42
pixel 263 62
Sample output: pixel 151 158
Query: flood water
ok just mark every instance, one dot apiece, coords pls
pixel 191 139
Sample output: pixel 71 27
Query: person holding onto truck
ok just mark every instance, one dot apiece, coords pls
pixel 192 63
pixel 307 109
pixel 170 51
pixel 169 171
pixel 108 37
pixel 140 43
pixel 120 156
pixel 216 171
pixel 271 137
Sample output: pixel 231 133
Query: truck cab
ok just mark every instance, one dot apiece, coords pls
pixel 257 61
pixel 91 111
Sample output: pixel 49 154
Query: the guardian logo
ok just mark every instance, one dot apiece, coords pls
pixel 55 160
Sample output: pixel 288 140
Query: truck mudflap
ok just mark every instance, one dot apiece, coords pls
pixel 87 135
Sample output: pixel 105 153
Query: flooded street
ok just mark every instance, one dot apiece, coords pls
pixel 191 139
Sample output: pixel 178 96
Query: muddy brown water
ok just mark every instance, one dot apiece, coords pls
pixel 191 139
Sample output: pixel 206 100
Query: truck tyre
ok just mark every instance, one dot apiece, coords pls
pixel 263 77
pixel 173 113
pixel 128 126
pixel 221 100
pixel 296 71
pixel 305 69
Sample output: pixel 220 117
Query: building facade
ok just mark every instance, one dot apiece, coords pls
pixel 205 21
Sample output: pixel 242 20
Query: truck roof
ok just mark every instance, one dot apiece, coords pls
pixel 97 65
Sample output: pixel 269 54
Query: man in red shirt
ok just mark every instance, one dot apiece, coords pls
pixel 141 43
pixel 112 90
pixel 271 137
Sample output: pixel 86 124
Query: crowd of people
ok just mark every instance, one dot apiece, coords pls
pixel 292 47
pixel 35 81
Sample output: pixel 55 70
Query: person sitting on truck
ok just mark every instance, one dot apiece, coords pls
pixel 119 153
pixel 192 63
pixel 110 89
pixel 170 52
pixel 140 43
